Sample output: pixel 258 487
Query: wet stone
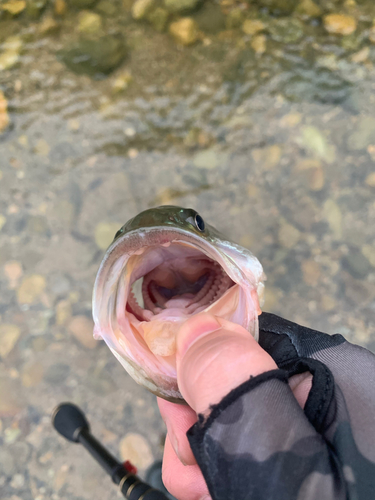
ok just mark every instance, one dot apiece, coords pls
pixel 356 264
pixel 181 6
pixel 332 214
pixel 107 8
pixel 31 289
pixel 363 134
pixel 135 448
pixel 207 159
pixel 81 328
pixel 89 23
pixel 13 7
pixel 252 26
pixel 314 140
pixel 286 30
pixel 210 18
pixel 141 8
pixel 60 8
pixel 36 7
pixel 57 373
pixel 288 235
pixel 97 56
pixel 158 18
pixel 309 8
pixel 32 374
pixel 82 4
pixel 184 31
pixel 340 24
pixel 277 6
pixel 105 233
pixel 10 52
pixel 9 334
pixel 369 252
pixel 370 180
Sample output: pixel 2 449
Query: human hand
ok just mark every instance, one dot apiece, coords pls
pixel 214 357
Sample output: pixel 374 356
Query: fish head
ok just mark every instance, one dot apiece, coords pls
pixel 163 266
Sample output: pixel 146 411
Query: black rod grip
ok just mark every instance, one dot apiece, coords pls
pixel 135 489
pixel 98 452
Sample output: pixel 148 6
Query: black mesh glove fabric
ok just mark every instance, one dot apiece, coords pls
pixel 258 443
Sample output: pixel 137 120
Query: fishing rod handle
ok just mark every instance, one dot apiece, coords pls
pixel 134 489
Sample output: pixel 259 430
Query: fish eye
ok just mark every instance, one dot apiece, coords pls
pixel 120 231
pixel 199 222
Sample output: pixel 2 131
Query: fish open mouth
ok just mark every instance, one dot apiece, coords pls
pixel 149 284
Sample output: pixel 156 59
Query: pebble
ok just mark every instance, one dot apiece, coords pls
pixel 363 134
pixel 252 26
pixel 286 30
pixel 2 221
pixel 184 31
pixel 60 478
pixel 357 264
pixel 9 334
pixel 290 120
pixel 158 18
pixel 259 44
pixel 105 233
pixel 309 8
pixel 312 169
pixel 89 23
pixel 32 374
pixel 47 26
pixel 31 289
pixel 332 213
pixel 63 312
pixel 180 6
pixel 311 272
pixel 4 116
pixel 340 24
pixel 11 52
pixel 141 8
pixel 60 8
pixel 18 481
pixel 122 82
pixel 135 448
pixel 57 373
pixel 370 179
pixel 268 157
pixel 13 272
pixel 10 397
pixel 328 303
pixel 42 147
pixel 207 159
pixel 313 140
pixel 369 252
pixel 14 7
pixel 81 327
pixel 288 235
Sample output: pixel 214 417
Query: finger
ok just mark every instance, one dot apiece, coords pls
pixel 178 419
pixel 183 482
pixel 215 356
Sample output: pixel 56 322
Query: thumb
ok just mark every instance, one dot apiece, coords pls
pixel 215 356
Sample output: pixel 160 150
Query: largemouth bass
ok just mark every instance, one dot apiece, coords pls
pixel 163 266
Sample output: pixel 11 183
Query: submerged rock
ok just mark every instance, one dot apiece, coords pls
pixel 210 18
pixel 89 23
pixel 181 6
pixel 95 56
pixel 10 54
pixel 252 26
pixel 184 31
pixel 277 6
pixel 36 7
pixel 340 24
pixel 286 30
pixel 141 8
pixel 13 7
pixel 159 19
pixel 82 4
pixel 309 8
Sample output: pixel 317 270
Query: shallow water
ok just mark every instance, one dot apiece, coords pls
pixel 271 137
